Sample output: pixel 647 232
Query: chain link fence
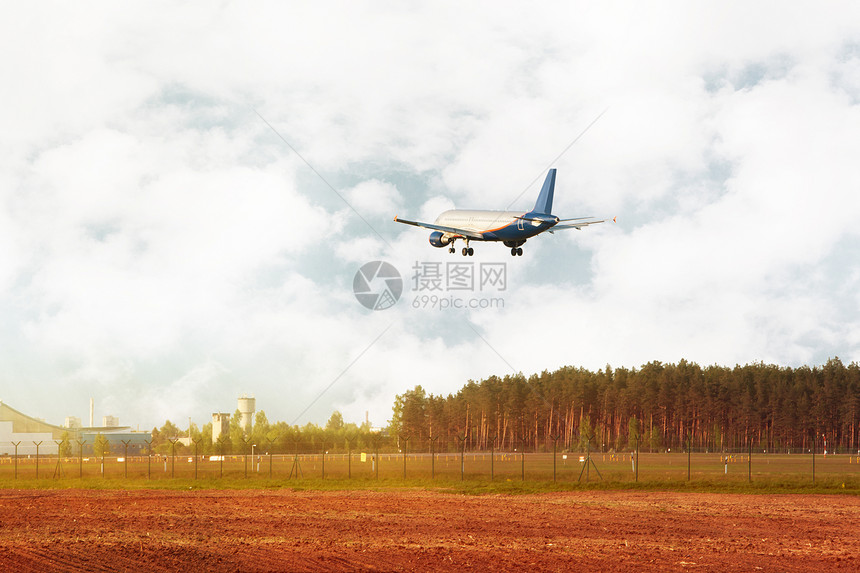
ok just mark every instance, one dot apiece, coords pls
pixel 558 466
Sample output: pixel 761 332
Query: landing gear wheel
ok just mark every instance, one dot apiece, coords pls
pixel 514 252
pixel 519 252
pixel 465 251
pixel 471 251
pixel 451 250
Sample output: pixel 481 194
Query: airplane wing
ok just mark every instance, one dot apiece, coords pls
pixel 444 229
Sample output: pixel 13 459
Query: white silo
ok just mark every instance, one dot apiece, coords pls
pixel 247 406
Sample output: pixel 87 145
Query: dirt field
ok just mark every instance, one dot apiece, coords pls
pixel 75 530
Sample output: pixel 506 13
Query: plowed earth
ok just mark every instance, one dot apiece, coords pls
pixel 252 530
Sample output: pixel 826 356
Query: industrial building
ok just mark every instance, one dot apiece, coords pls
pixel 117 438
pixel 220 426
pixel 247 406
pixel 28 433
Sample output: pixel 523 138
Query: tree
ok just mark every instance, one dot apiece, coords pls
pixel 170 430
pixel 101 446
pixel 64 449
pixel 237 434
pixel 586 433
pixel 633 435
pixel 205 438
pixel 412 414
pixel 161 437
pixel 655 440
pixel 261 430
pixel 335 423
pixel 396 422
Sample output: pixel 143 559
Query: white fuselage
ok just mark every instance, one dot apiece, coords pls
pixel 481 221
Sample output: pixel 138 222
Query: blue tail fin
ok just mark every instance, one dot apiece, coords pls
pixel 544 202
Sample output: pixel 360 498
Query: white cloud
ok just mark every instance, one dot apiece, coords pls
pixel 374 197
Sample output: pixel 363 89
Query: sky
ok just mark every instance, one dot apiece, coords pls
pixel 187 191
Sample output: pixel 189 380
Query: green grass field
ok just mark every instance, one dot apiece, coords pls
pixel 475 472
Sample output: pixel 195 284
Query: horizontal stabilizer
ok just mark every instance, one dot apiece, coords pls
pixel 580 224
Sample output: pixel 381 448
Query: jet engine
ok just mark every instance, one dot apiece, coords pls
pixel 439 239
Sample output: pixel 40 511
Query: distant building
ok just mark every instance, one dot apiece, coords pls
pixel 26 441
pixel 25 430
pixel 16 427
pixel 220 426
pixel 117 440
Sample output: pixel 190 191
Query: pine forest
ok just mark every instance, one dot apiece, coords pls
pixel 658 407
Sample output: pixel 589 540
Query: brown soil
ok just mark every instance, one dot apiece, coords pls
pixel 78 530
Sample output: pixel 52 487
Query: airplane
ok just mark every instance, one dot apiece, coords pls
pixel 512 228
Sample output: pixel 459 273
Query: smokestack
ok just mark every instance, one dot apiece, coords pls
pixel 92 412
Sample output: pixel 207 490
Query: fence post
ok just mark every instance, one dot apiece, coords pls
pixel 220 442
pixel 554 448
pixel 349 457
pixel 376 459
pixel 125 459
pixel 173 456
pixel 405 440
pixel 58 470
pixel 749 461
pixel 433 457
pixel 148 459
pixel 323 459
pixel 245 454
pixel 587 461
pixel 636 472
pixel 492 457
pixel 196 444
pixel 271 447
pixel 689 448
pixel 81 457
pixel 16 444
pixel 814 440
pixel 462 457
pixel 297 466
pixel 523 459
pixel 39 443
